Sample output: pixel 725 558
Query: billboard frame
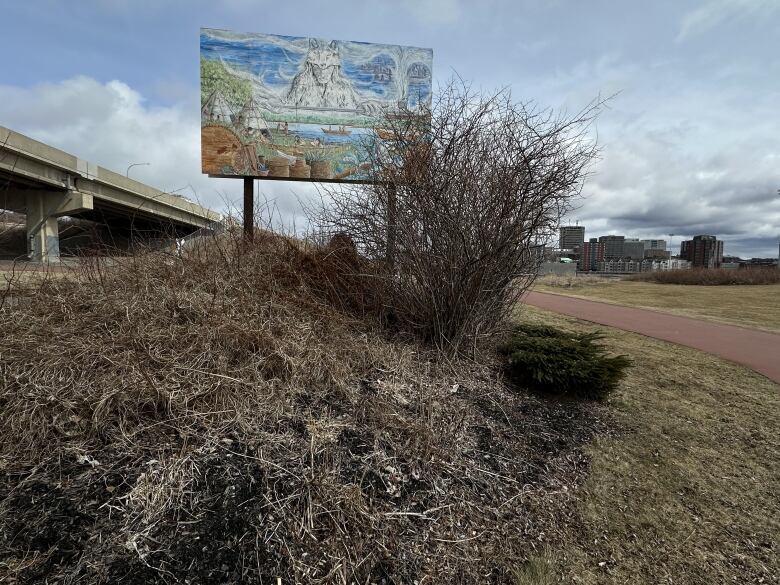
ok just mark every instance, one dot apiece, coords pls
pixel 362 83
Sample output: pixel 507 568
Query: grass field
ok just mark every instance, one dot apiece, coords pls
pixel 183 404
pixel 686 491
pixel 756 306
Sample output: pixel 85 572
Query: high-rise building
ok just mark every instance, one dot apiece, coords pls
pixel 591 254
pixel 655 244
pixel 703 251
pixel 613 246
pixel 657 254
pixel 633 248
pixel 572 237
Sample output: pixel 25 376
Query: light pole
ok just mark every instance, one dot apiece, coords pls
pixel 127 173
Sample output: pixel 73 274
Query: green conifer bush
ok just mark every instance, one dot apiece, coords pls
pixel 562 362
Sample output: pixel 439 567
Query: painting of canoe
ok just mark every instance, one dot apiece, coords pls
pixel 267 99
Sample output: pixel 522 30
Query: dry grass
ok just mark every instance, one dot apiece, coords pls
pixel 554 281
pixel 687 492
pixel 237 415
pixel 710 276
pixel 755 306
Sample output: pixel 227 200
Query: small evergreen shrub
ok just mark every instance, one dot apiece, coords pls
pixel 557 361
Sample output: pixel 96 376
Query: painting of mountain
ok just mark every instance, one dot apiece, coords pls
pixel 302 108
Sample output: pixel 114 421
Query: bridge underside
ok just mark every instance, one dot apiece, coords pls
pixel 43 206
pixel 46 183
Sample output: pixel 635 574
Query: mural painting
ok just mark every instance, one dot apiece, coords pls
pixel 302 108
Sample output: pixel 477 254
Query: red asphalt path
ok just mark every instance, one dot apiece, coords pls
pixel 758 350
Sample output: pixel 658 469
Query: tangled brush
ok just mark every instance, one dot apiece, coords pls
pixel 234 413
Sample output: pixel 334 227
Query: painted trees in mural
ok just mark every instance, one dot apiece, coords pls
pixel 305 108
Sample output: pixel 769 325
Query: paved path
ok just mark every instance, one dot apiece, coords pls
pixel 758 350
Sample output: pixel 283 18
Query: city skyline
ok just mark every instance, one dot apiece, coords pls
pixel 688 139
pixel 672 242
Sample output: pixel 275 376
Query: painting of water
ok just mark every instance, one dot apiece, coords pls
pixel 299 107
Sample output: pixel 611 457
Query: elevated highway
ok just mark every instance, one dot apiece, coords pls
pixel 46 183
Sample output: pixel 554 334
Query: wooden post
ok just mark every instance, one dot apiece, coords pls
pixel 249 207
pixel 392 213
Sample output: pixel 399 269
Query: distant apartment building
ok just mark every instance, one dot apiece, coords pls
pixel 655 244
pixel 657 254
pixel 613 246
pixel 734 262
pixel 572 237
pixel 703 251
pixel 731 262
pixel 591 254
pixel 759 263
pixel 620 266
pixel 669 264
pixel 628 266
pixel 634 249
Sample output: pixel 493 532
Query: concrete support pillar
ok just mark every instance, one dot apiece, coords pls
pixel 43 237
pixel 42 209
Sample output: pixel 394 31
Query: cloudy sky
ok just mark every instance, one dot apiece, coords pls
pixel 691 143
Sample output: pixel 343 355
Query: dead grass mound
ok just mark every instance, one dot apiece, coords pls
pixel 235 414
pixel 710 276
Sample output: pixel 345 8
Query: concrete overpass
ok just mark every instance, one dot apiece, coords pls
pixel 46 183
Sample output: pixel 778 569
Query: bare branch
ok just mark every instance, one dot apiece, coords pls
pixel 463 195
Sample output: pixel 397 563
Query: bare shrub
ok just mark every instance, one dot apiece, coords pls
pixel 459 197
pixel 710 276
pixel 222 414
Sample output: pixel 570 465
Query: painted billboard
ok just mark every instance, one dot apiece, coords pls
pixel 302 108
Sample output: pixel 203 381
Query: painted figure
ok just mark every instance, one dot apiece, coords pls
pixel 320 84
pixel 335 94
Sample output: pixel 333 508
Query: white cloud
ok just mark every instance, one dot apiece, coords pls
pixel 435 11
pixel 715 12
pixel 112 125
pixel 655 181
pixel 676 159
pixel 679 157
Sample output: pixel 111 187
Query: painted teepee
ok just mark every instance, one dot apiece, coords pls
pixel 250 116
pixel 217 108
